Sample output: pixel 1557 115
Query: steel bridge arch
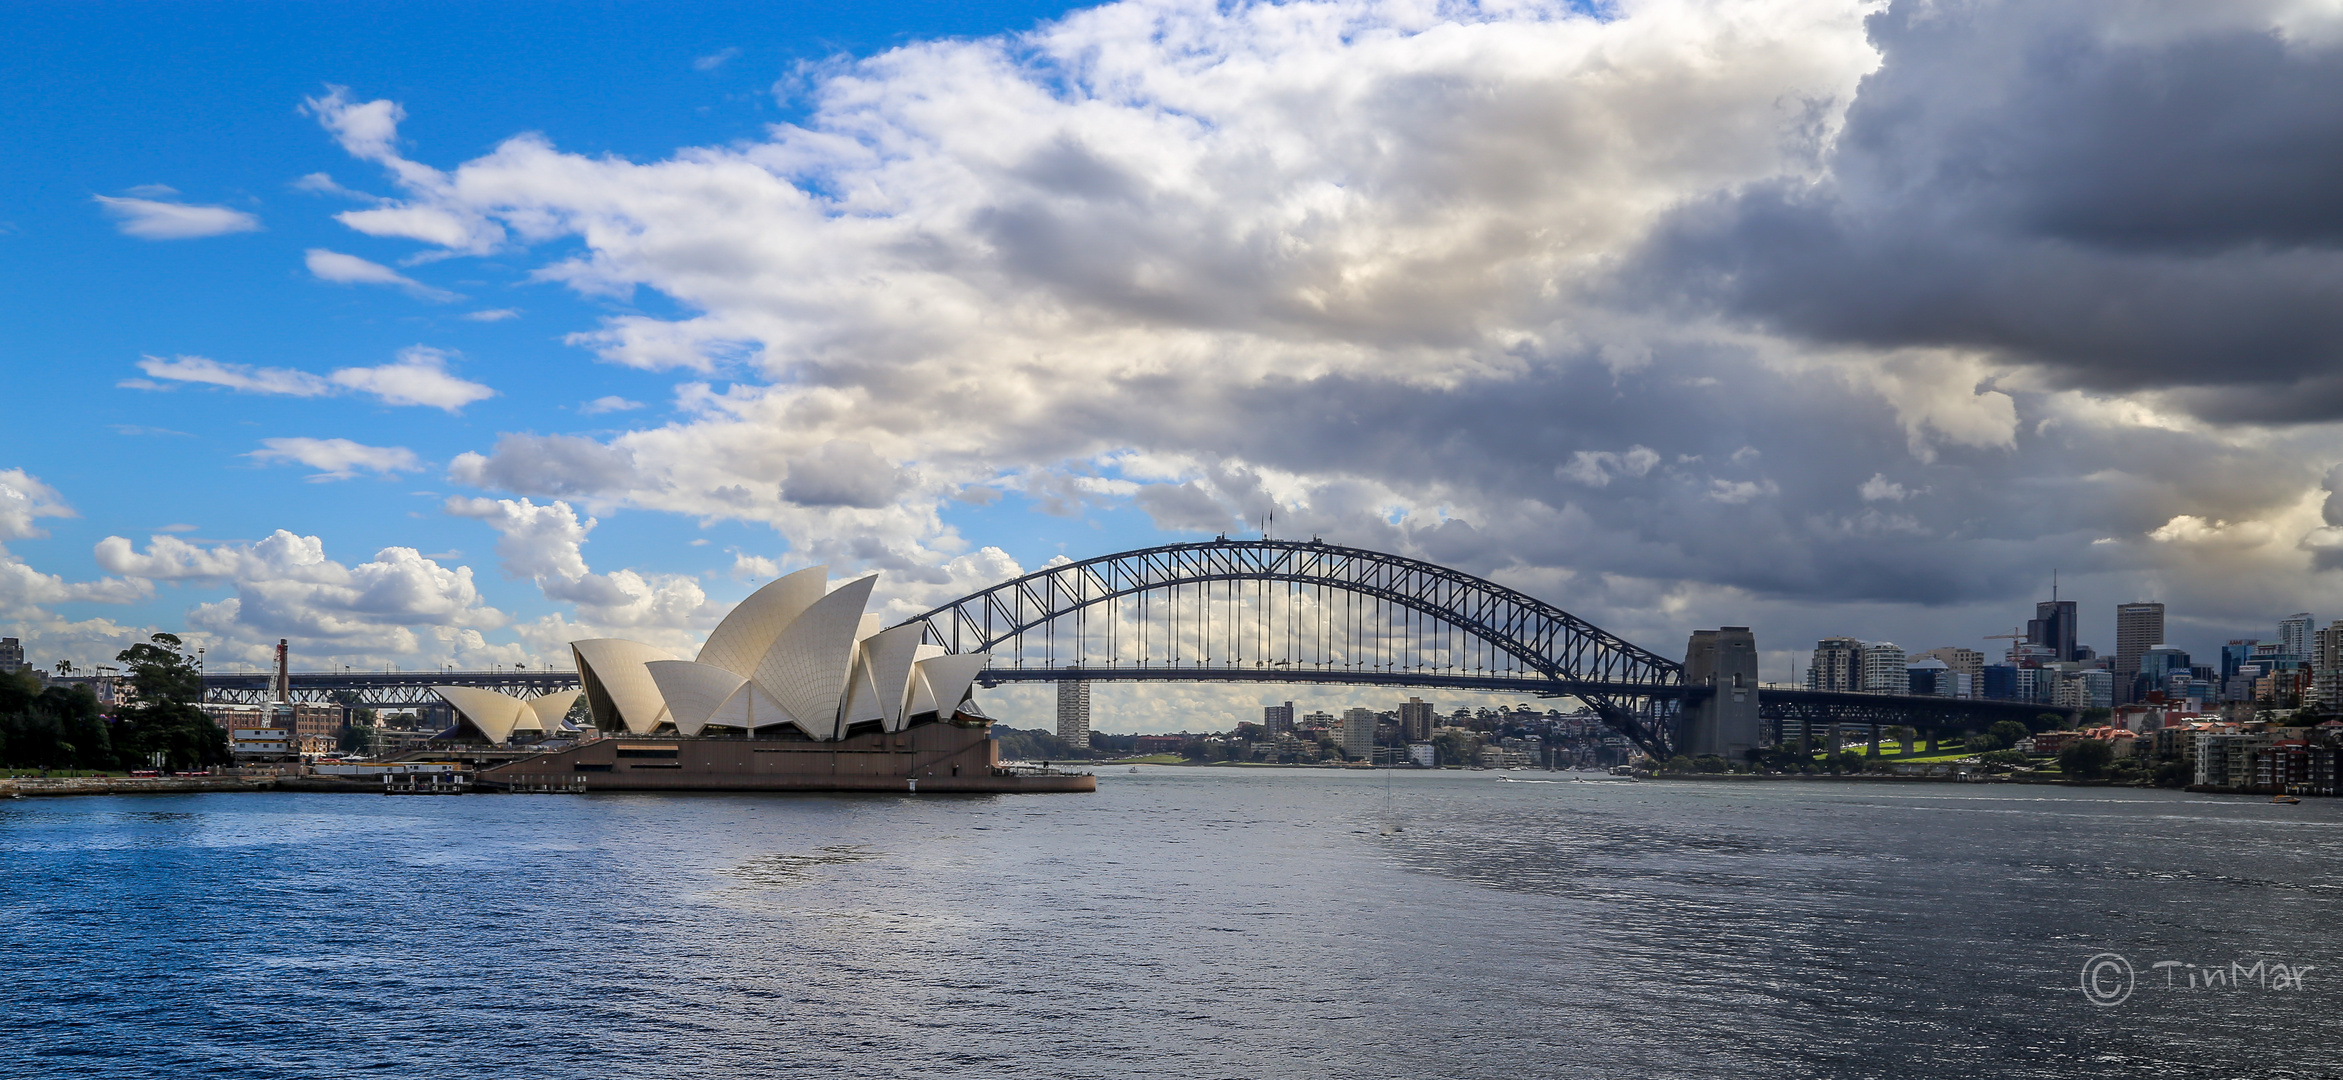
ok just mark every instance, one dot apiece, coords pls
pixel 1633 689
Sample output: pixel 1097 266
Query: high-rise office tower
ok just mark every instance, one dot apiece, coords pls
pixel 1074 712
pixel 2294 635
pixel 1415 719
pixel 2053 627
pixel 1358 734
pixel 1838 665
pixel 1884 670
pixel 2138 628
pixel 2326 663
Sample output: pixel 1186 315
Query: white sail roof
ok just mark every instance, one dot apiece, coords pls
pixel 751 708
pixel 819 662
pixel 747 634
pixel 806 668
pixel 617 664
pixel 693 691
pixel 862 697
pixel 496 715
pixel 888 656
pixel 551 709
pixel 918 696
pixel 948 677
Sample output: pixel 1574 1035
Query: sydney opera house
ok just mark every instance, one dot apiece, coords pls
pixel 798 689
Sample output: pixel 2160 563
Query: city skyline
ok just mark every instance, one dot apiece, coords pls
pixel 417 356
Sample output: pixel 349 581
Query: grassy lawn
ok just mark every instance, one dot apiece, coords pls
pixel 1892 751
pixel 1930 759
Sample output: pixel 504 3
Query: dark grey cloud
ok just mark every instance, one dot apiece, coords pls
pixel 2128 207
pixel 843 472
pixel 1716 471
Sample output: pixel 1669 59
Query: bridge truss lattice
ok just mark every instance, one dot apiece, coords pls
pixel 1288 611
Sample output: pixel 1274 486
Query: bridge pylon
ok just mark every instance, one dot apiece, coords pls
pixel 1724 720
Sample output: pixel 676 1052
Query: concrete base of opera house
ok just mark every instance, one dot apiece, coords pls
pixel 941 757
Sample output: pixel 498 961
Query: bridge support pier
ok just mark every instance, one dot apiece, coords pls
pixel 1725 722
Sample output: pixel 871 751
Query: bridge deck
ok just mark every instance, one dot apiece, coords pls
pixel 380 689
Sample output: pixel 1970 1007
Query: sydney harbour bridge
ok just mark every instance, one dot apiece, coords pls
pixel 1306 611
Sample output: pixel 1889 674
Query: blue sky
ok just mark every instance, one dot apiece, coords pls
pixel 444 333
pixel 118 99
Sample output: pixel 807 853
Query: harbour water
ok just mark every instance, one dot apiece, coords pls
pixel 1180 922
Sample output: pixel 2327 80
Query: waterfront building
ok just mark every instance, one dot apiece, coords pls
pixel 257 732
pixel 2227 760
pixel 301 727
pixel 1498 757
pixel 1278 719
pixel 1883 669
pixel 1424 755
pixel 1358 734
pixel 1159 744
pixel 794 655
pixel 1415 719
pixel 2326 664
pixel 1074 712
pixel 1837 665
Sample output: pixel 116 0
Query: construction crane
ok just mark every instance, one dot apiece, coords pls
pixel 2012 638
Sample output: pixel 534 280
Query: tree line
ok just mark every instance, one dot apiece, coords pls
pixel 60 727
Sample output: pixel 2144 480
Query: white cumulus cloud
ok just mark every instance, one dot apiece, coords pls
pixel 344 269
pixel 286 586
pixel 152 219
pixel 545 543
pixel 419 376
pixel 608 404
pixel 337 459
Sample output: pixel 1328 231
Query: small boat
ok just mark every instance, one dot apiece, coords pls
pixel 2284 799
pixel 1134 768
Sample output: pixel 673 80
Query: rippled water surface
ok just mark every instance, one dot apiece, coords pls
pixel 1181 922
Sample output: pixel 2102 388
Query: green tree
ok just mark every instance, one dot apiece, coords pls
pixel 162 717
pixel 1456 747
pixel 2086 759
pixel 51 727
pixel 2008 732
